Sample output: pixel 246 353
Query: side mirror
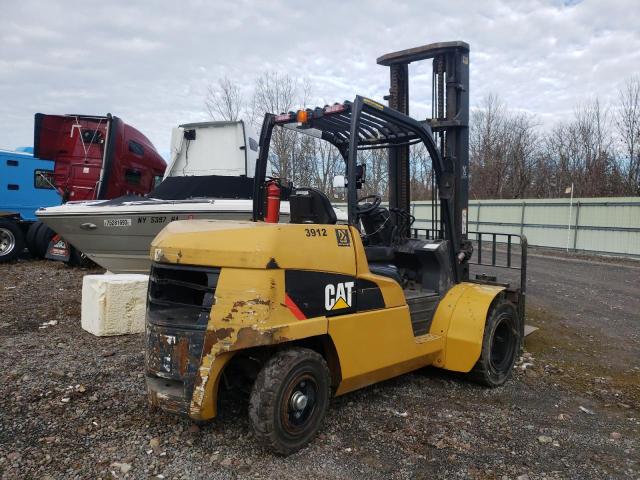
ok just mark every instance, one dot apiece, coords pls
pixel 339 181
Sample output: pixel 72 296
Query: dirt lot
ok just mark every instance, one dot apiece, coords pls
pixel 73 405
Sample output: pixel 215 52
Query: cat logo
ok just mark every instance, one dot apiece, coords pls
pixel 337 297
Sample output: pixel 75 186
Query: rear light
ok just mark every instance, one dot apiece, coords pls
pixel 302 116
pixel 283 117
pixel 338 107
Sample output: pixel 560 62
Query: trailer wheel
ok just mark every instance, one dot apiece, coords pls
pixel 78 259
pixel 500 345
pixel 289 399
pixel 31 239
pixel 11 240
pixel 41 240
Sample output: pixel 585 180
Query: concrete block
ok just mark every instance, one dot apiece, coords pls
pixel 114 304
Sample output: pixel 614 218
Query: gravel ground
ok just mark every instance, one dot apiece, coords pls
pixel 73 405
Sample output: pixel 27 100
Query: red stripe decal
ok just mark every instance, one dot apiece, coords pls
pixel 293 307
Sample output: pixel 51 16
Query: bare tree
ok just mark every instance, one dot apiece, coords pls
pixel 487 148
pixel 377 179
pixel 277 93
pixel 328 163
pixel 583 153
pixel 628 125
pixel 224 101
pixel 421 172
pixel 510 156
pixel 523 145
pixel 503 151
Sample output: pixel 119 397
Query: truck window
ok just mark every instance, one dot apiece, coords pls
pixel 92 136
pixel 157 180
pixel 132 177
pixel 43 179
pixel 136 148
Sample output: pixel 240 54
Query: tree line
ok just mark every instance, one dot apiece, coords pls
pixel 512 155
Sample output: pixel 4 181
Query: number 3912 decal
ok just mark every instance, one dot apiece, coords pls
pixel 315 232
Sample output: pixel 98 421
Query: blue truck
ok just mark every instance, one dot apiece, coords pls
pixel 26 184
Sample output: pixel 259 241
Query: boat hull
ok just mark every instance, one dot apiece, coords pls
pixel 120 242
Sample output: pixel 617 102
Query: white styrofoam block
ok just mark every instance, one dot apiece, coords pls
pixel 114 304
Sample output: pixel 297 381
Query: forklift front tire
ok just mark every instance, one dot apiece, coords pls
pixel 500 345
pixel 289 399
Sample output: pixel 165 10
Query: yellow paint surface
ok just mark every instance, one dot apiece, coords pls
pixel 376 345
pixel 224 243
pixel 460 318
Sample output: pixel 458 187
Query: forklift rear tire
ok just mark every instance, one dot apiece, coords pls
pixel 289 399
pixel 500 345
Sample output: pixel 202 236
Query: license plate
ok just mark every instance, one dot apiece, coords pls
pixel 117 222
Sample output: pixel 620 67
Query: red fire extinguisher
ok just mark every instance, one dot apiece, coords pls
pixel 273 202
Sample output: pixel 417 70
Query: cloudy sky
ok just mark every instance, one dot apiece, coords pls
pixel 150 62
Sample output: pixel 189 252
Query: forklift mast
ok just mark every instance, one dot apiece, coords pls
pixel 449 122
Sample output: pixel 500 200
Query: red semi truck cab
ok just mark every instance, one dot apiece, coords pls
pixel 97 157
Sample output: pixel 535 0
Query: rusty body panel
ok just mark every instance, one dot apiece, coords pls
pixel 249 312
pixel 173 359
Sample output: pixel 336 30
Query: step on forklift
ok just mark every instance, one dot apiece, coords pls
pixel 304 310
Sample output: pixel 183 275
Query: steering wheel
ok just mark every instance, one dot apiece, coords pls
pixel 364 206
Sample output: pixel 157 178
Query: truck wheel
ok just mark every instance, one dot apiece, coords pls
pixel 500 345
pixel 289 399
pixel 11 240
pixel 31 238
pixel 41 240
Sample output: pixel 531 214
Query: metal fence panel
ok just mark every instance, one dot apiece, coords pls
pixel 605 225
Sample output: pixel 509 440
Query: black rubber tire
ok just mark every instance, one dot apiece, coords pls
pixel 31 238
pixel 41 240
pixel 281 374
pixel 78 259
pixel 12 232
pixel 500 345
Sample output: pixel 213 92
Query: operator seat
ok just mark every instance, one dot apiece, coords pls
pixel 379 233
pixel 308 205
pixel 386 270
pixel 378 238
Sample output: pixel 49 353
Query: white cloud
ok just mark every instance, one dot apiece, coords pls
pixel 150 62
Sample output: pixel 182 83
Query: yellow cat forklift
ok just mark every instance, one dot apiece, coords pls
pixel 306 309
